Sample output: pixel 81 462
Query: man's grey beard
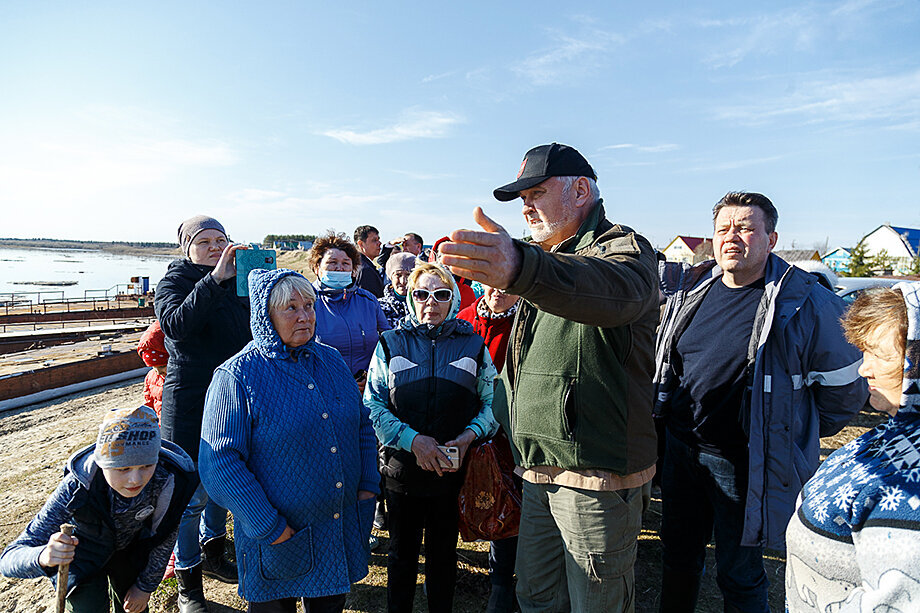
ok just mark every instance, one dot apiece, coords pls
pixel 547 231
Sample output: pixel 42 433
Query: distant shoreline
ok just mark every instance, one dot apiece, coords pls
pixel 116 247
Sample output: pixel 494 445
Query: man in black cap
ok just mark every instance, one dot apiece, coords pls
pixel 577 386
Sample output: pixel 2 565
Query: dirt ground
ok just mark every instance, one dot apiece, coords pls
pixel 36 441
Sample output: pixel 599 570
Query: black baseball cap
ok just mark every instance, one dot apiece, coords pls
pixel 543 162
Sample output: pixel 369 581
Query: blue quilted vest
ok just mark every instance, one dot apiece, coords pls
pixel 433 386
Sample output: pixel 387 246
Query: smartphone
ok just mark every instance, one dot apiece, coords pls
pixel 248 260
pixel 361 374
pixel 453 454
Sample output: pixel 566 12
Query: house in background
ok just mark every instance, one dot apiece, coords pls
pixel 901 244
pixel 798 255
pixel 682 248
pixel 837 260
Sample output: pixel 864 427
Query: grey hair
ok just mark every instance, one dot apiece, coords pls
pixel 400 261
pixel 287 287
pixel 568 182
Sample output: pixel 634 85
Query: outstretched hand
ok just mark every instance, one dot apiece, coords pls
pixel 487 256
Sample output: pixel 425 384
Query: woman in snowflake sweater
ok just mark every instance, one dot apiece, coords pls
pixel 853 543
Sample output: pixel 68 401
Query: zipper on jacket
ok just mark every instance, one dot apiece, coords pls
pixel 569 410
pixel 520 321
pixel 431 377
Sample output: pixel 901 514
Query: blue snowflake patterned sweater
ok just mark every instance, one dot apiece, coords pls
pixel 854 542
pixel 286 441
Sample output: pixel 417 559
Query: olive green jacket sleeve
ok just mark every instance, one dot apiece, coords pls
pixel 604 276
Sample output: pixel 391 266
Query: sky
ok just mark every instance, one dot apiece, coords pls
pixel 120 119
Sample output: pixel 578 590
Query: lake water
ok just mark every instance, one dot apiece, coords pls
pixel 94 272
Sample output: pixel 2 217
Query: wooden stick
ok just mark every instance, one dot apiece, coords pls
pixel 63 573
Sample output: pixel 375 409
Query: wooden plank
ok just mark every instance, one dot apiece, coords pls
pixel 33 381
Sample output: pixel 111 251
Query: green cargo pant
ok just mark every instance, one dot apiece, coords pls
pixel 577 549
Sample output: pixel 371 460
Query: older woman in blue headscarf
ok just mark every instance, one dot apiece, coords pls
pixel 288 447
pixel 429 386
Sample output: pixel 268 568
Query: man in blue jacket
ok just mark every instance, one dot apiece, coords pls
pixel 751 369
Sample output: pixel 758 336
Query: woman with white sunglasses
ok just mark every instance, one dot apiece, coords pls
pixel 429 392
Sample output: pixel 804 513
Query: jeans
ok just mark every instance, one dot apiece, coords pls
pixel 701 492
pixel 502 554
pixel 409 516
pixel 202 520
pixel 577 548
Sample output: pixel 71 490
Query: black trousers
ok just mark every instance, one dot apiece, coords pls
pixel 409 518
pixel 323 604
pixel 111 583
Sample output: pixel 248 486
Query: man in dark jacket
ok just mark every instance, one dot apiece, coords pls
pixel 577 395
pixel 752 367
pixel 367 240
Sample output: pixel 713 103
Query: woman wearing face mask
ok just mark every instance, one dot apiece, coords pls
pixel 347 317
pixel 853 543
pixel 393 303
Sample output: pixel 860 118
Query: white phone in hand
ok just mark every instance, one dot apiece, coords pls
pixel 453 454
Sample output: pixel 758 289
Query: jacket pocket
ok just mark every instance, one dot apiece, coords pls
pixel 545 406
pixel 288 560
pixel 569 409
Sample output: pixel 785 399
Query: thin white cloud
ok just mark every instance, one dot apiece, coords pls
pixel 659 148
pixel 810 25
pixel 569 54
pixel 852 7
pixel 890 100
pixel 734 164
pixel 437 77
pixel 663 148
pixel 762 35
pixel 414 125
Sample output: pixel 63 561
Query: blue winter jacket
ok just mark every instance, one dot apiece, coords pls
pixel 84 499
pixel 285 441
pixel 350 320
pixel 803 383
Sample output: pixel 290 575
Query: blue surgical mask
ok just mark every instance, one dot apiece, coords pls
pixel 336 279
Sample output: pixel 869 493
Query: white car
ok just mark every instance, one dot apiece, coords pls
pixel 849 288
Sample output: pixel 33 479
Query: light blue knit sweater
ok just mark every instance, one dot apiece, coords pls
pixel 286 441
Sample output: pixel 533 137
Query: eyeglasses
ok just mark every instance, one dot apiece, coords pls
pixel 440 295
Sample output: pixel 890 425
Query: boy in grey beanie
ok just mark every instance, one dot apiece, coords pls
pixel 124 495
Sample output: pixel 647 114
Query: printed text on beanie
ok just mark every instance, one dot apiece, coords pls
pixel 128 437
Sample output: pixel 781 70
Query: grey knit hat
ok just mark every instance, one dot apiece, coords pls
pixel 190 228
pixel 128 437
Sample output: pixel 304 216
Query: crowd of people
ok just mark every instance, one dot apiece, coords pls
pixel 315 411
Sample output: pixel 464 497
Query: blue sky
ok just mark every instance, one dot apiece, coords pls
pixel 120 119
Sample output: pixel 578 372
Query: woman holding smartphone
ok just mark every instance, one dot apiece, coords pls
pixel 205 323
pixel 429 388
